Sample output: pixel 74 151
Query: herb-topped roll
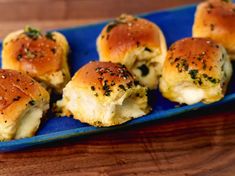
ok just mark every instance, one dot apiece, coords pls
pixel 195 70
pixel 103 94
pixel 44 57
pixel 215 19
pixel 138 44
pixel 23 103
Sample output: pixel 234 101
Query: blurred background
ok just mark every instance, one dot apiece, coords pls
pixel 51 14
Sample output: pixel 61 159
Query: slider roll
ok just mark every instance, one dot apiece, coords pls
pixel 103 94
pixel 195 70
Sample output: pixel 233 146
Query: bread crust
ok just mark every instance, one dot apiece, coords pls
pixel 125 34
pixel 102 77
pixel 194 53
pixel 138 44
pixel 40 56
pixel 199 63
pixel 103 94
pixel 18 92
pixel 215 19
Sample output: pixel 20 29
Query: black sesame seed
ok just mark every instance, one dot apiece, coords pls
pixel 144 70
pixel 137 43
pixel 16 98
pixel 112 83
pixel 122 87
pixel 212 26
pixel 53 50
pixel 19 57
pixel 49 36
pixel 93 88
pixel 32 102
pixel 129 84
pixel 193 73
pixel 148 49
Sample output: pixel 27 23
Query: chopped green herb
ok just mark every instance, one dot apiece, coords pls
pixel 92 88
pixel 122 87
pixel 29 54
pixel 193 73
pixel 53 50
pixel 182 64
pixel 32 102
pixel 32 32
pixel 211 79
pixel 106 88
pixel 144 70
pixel 19 57
pixel 111 26
pixel 212 26
pixel 49 35
pixel 16 98
pixel 148 49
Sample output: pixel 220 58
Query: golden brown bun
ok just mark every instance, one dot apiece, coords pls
pixel 134 42
pixel 20 95
pixel 95 73
pixel 44 57
pixel 103 94
pixel 215 19
pixel 196 69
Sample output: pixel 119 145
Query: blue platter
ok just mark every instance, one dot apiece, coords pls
pixel 175 23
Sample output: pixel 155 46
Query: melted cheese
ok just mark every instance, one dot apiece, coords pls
pixel 29 123
pixel 88 108
pixel 152 59
pixel 189 95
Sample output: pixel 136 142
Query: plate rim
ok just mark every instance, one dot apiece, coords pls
pixel 18 144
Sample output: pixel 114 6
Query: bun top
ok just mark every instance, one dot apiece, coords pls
pixel 17 92
pixel 16 85
pixel 33 52
pixel 194 56
pixel 216 19
pixel 103 77
pixel 127 33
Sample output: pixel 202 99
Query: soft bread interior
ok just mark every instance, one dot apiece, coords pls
pixel 88 108
pixel 145 64
pixel 60 78
pixel 54 80
pixel 189 93
pixel 29 123
pixel 226 71
pixel 30 120
pixel 26 125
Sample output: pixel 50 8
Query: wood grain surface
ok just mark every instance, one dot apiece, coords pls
pixel 194 144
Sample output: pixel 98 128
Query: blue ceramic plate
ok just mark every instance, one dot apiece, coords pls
pixel 175 23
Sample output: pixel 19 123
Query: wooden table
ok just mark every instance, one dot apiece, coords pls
pixel 198 144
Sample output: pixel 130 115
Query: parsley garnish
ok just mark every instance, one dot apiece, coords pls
pixel 32 102
pixel 32 32
pixel 49 35
pixel 193 73
pixel 144 70
pixel 147 49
